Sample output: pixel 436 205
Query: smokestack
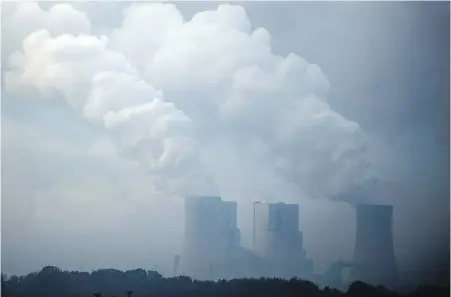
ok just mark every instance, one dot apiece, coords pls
pixel 374 256
pixel 176 265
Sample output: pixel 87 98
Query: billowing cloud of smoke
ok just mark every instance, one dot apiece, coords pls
pixel 106 89
pixel 168 89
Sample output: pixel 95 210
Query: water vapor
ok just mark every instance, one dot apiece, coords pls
pixel 167 90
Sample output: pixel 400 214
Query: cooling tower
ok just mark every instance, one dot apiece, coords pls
pixel 374 256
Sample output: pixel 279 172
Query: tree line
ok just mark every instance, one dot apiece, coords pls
pixel 53 282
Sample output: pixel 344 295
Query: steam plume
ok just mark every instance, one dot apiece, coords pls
pixel 166 89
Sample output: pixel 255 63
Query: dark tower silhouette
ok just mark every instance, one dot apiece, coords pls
pixel 374 256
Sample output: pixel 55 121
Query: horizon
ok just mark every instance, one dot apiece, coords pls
pixel 110 119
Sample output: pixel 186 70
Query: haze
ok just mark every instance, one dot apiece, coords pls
pixel 112 112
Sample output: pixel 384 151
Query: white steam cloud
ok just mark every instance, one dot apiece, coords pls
pixel 167 89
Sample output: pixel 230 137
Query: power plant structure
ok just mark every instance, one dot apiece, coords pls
pixel 276 238
pixel 211 235
pixel 374 256
pixel 212 246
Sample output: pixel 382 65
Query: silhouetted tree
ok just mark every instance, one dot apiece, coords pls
pixel 52 281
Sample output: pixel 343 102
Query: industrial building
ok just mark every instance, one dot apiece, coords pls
pixel 374 256
pixel 277 240
pixel 212 241
pixel 211 236
pixel 212 247
pixel 374 259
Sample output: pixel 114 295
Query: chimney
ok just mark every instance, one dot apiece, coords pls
pixel 176 265
pixel 374 257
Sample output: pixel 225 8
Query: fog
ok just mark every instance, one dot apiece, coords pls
pixel 112 112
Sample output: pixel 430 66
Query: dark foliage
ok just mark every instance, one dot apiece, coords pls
pixel 53 282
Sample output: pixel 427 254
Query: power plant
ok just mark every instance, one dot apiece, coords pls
pixel 211 235
pixel 374 256
pixel 276 238
pixel 212 247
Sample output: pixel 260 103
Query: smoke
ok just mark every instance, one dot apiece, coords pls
pixel 363 192
pixel 166 90
pixel 105 89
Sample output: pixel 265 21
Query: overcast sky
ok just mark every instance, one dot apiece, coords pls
pixel 106 127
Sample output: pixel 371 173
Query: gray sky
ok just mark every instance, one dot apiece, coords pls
pixel 72 187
